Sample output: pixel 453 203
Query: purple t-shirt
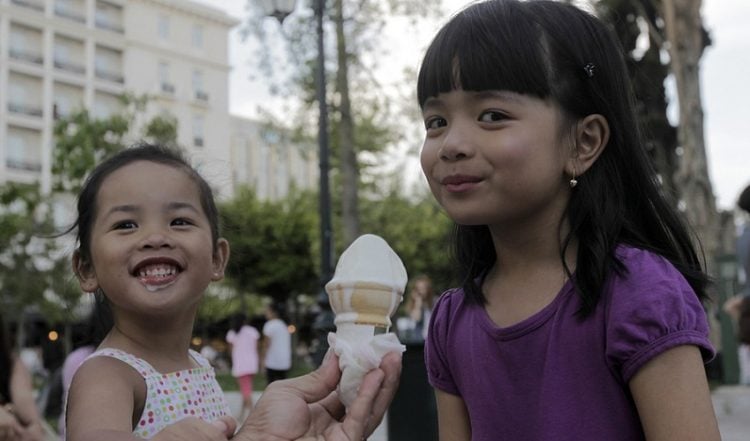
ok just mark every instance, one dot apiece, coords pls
pixel 554 377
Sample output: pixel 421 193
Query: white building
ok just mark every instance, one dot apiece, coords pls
pixel 269 161
pixel 57 56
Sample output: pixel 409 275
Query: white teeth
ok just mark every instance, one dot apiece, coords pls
pixel 161 271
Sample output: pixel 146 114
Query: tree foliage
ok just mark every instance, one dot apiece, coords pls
pixel 271 244
pixel 362 114
pixel 20 253
pixel 417 229
pixel 648 70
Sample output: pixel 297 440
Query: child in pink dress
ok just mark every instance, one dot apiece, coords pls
pixel 244 341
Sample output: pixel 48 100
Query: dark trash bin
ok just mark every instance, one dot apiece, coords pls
pixel 413 412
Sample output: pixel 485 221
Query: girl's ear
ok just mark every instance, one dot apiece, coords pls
pixel 85 273
pixel 592 135
pixel 220 259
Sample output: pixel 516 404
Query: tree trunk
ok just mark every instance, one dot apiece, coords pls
pixel 687 40
pixel 349 168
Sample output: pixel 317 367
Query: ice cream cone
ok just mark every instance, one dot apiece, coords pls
pixel 363 303
pixel 368 284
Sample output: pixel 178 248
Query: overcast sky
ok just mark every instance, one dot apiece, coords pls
pixel 724 84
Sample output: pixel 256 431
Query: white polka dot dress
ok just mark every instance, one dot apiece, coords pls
pixel 174 396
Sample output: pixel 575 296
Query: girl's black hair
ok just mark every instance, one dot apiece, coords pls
pixel 142 152
pixel 555 51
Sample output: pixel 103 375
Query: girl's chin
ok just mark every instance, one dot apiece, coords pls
pixel 155 287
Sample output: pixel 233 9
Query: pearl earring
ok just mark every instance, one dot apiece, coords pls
pixel 573 182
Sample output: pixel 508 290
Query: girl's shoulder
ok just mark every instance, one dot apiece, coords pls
pixel 101 372
pixel 448 304
pixel 643 266
pixel 138 364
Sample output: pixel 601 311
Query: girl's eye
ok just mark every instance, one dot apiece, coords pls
pixel 125 225
pixel 435 122
pixel 181 222
pixel 491 116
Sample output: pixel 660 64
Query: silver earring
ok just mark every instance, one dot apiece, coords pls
pixel 573 182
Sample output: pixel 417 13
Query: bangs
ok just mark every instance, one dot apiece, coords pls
pixel 473 53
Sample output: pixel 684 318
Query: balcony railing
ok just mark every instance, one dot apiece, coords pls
pixel 167 88
pixel 24 109
pixel 23 164
pixel 109 25
pixel 109 76
pixel 33 4
pixel 69 66
pixel 70 14
pixel 201 96
pixel 26 56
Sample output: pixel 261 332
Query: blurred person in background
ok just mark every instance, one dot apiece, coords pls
pixel 277 344
pixel 19 418
pixel 738 307
pixel 243 340
pixel 86 338
pixel 420 302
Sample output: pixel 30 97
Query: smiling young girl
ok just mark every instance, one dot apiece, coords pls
pixel 148 241
pixel 579 316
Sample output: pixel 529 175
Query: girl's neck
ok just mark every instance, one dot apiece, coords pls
pixel 519 252
pixel 163 345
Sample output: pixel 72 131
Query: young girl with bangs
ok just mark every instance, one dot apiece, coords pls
pixel 579 314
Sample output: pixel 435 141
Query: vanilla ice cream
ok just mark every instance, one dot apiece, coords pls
pixel 366 289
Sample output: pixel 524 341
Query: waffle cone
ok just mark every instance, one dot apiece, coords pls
pixel 363 303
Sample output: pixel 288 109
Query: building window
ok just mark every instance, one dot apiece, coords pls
pixel 25 44
pixel 108 16
pixel 108 64
pixel 163 24
pixel 200 92
pixel 22 151
pixel 197 36
pixel 198 123
pixel 166 85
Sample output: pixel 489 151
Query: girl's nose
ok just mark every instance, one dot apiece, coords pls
pixel 456 145
pixel 156 239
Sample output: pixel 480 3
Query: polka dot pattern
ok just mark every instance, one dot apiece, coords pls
pixel 176 395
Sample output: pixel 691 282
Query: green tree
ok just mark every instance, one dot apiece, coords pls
pixel 271 244
pixel 648 72
pixel 362 113
pixel 21 254
pixel 673 28
pixel 417 229
pixel 82 141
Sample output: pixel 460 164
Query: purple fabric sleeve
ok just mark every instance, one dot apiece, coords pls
pixel 652 309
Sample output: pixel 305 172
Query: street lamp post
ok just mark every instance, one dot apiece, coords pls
pixel 280 9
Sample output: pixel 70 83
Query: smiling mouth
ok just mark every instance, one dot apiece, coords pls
pixel 157 276
pixel 458 184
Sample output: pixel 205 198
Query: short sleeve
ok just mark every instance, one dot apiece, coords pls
pixel 231 336
pixel 650 309
pixel 437 342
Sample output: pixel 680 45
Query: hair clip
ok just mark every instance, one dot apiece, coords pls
pixel 589 68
